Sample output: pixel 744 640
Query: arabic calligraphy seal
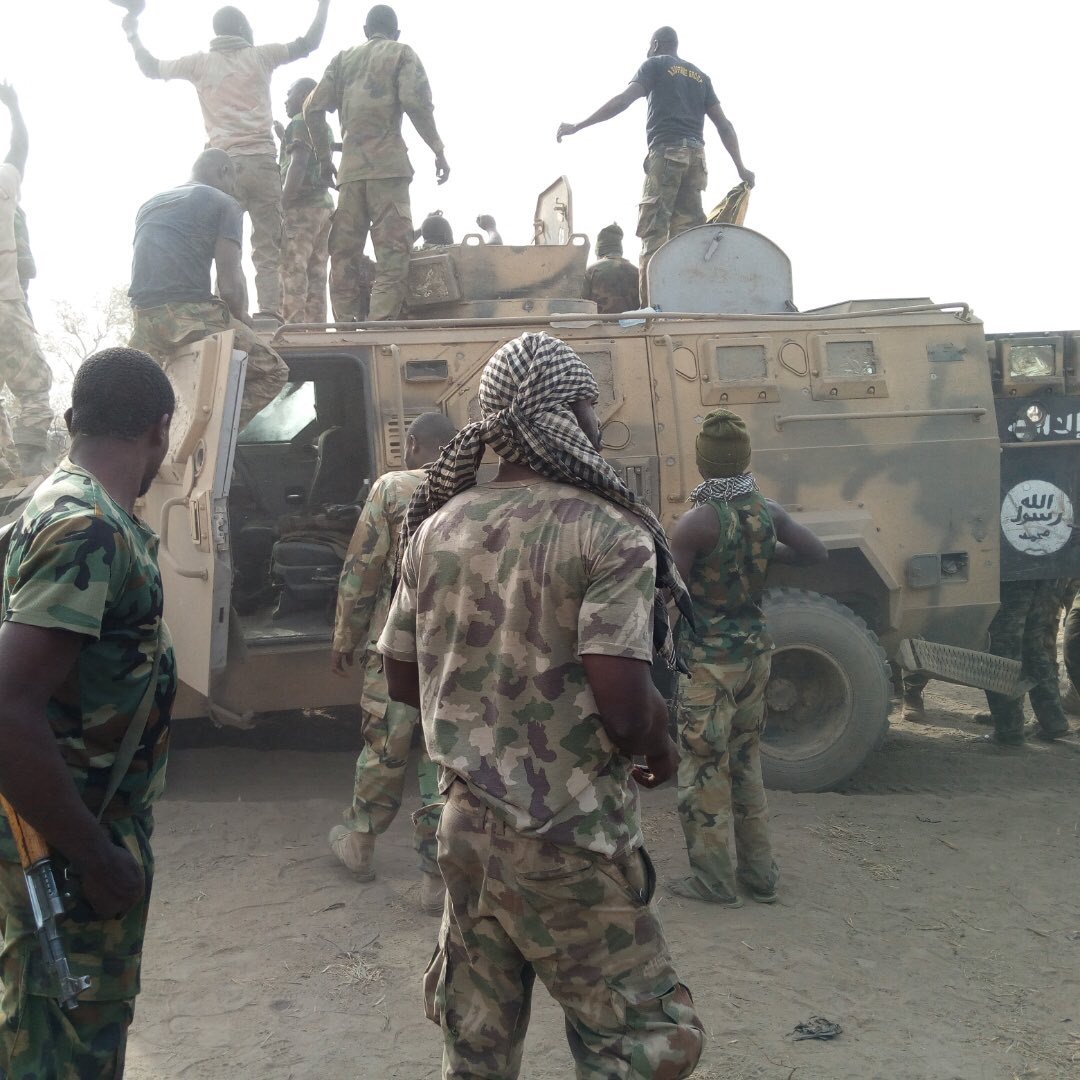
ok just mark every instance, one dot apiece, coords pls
pixel 1037 517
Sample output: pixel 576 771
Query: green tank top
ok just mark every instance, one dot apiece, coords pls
pixel 727 583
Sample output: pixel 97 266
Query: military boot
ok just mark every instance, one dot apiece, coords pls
pixel 356 850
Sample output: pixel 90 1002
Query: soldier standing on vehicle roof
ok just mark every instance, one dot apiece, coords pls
pixel 23 368
pixel 611 281
pixel 85 658
pixel 680 97
pixel 723 547
pixel 1025 628
pixel 308 206
pixel 363 602
pixel 526 621
pixel 232 80
pixel 179 235
pixel 370 86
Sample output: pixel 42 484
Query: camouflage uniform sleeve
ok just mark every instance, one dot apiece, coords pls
pixel 63 575
pixel 186 67
pixel 616 615
pixel 398 639
pixel 366 564
pixel 326 97
pixel 414 93
pixel 273 56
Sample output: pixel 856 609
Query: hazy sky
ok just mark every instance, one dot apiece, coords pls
pixel 901 149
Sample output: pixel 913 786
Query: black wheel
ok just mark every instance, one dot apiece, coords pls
pixel 828 693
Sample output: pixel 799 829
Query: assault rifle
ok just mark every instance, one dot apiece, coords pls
pixel 47 905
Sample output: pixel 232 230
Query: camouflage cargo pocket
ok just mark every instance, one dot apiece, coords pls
pixel 435 982
pixel 648 209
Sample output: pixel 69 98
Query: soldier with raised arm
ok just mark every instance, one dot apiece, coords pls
pixel 23 369
pixel 680 96
pixel 371 87
pixel 232 80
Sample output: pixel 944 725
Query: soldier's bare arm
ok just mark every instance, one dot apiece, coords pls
pixel 619 103
pixel 20 138
pixel 34 661
pixel 695 533
pixel 796 544
pixel 300 155
pixel 148 63
pixel 306 45
pixel 730 141
pixel 402 681
pixel 633 713
pixel 324 98
pixel 230 278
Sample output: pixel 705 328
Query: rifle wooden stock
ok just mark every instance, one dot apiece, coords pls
pixel 30 843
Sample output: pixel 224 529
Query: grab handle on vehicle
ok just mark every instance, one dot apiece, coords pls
pixel 163 533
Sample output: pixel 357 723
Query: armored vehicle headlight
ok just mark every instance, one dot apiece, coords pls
pixel 1028 421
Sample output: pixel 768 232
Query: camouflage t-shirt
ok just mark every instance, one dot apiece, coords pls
pixel 313 189
pixel 371 86
pixel 233 84
pixel 727 583
pixel 79 562
pixel 613 283
pixel 367 578
pixel 502 592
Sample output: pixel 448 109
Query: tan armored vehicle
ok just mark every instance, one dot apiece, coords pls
pixel 872 421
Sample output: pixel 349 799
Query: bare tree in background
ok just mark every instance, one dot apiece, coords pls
pixel 78 332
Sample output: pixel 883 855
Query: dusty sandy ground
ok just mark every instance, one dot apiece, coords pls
pixel 932 909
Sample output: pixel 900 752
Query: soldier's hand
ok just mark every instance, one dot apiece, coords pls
pixel 8 97
pixel 328 171
pixel 442 169
pixel 279 129
pixel 339 661
pixel 112 882
pixel 658 767
pixel 746 176
pixel 565 129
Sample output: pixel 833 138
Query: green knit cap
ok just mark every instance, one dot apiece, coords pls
pixel 609 240
pixel 723 447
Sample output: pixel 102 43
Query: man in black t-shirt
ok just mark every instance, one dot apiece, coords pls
pixel 680 97
pixel 179 235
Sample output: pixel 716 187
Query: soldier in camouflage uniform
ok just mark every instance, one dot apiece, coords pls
pixel 723 547
pixel 680 96
pixel 26 267
pixel 305 196
pixel 81 639
pixel 1025 628
pixel 179 235
pixel 370 87
pixel 232 80
pixel 524 623
pixel 611 281
pixel 367 581
pixel 23 368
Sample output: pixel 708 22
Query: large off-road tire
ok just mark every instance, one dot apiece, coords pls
pixel 828 693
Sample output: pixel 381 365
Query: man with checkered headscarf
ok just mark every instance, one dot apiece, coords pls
pixel 524 628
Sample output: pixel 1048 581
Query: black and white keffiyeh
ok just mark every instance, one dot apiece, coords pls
pixel 723 488
pixel 525 396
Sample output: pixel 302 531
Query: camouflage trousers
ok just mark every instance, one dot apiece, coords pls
pixel 159 330
pixel 379 785
pixel 304 254
pixel 25 372
pixel 258 191
pixel 720 713
pixel 1071 637
pixel 518 907
pixel 1025 628
pixel 380 207
pixel 38 1039
pixel 675 177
